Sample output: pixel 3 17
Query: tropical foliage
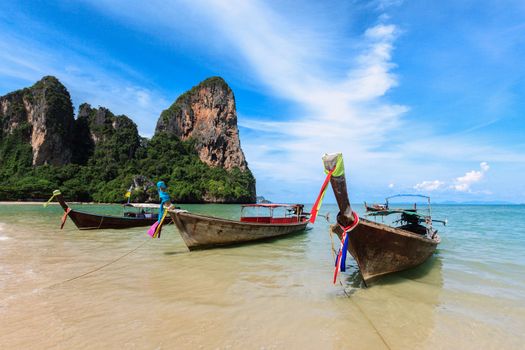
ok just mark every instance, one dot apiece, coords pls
pixel 110 171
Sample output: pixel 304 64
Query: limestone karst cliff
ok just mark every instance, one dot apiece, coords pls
pixel 97 156
pixel 99 130
pixel 41 116
pixel 207 114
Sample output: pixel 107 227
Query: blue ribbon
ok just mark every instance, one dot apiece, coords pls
pixel 343 255
pixel 164 197
pixel 342 266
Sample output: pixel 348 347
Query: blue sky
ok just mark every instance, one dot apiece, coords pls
pixel 420 96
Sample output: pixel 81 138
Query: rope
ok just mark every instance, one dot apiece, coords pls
pixel 369 321
pixel 348 229
pixel 101 221
pixel 332 241
pixel 99 267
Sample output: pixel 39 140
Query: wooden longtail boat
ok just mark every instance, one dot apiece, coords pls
pixel 202 231
pixel 87 221
pixel 377 248
pixel 380 207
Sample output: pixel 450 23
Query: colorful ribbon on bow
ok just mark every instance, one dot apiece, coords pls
pixel 55 193
pixel 337 171
pixel 64 218
pixel 340 261
pixel 319 200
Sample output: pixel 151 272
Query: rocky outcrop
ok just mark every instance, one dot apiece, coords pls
pixel 207 114
pixel 196 148
pixel 97 129
pixel 42 116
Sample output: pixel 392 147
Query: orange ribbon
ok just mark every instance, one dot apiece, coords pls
pixel 64 218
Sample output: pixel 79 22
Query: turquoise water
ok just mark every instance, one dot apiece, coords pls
pixel 144 293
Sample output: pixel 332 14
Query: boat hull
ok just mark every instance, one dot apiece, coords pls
pixel 202 232
pixel 379 249
pixel 87 221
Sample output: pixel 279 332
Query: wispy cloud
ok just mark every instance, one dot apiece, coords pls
pixel 341 104
pixel 343 112
pixel 334 76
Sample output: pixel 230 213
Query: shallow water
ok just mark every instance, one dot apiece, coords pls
pixel 121 289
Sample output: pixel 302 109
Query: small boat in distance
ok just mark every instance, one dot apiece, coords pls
pixel 379 207
pixel 377 248
pixel 257 222
pixel 141 215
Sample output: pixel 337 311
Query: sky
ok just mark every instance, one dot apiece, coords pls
pixel 420 96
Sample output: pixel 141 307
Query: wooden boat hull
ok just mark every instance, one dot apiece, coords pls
pixel 201 231
pixel 88 221
pixel 379 249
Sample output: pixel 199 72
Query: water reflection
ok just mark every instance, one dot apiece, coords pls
pixel 428 272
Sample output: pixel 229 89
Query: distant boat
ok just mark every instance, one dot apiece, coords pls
pixel 202 231
pixel 377 248
pixel 141 215
pixel 380 207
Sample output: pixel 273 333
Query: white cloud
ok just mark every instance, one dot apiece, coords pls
pixel 463 183
pixel 429 185
pixel 460 184
pixel 391 185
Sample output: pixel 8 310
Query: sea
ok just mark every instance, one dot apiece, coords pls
pixel 121 289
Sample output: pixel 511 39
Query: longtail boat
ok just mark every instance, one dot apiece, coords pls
pixel 140 215
pixel 377 248
pixel 380 207
pixel 202 231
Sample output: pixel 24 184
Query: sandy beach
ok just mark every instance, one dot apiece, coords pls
pixel 119 288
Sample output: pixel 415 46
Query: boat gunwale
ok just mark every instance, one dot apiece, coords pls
pixel 398 231
pixel 107 216
pixel 230 221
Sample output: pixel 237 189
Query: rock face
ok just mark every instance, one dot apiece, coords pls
pixel 207 114
pixel 98 155
pixel 42 116
pixel 99 130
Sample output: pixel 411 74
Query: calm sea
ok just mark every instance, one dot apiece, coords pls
pixel 71 289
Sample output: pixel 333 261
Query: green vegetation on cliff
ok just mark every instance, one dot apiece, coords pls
pixel 105 179
pixel 107 154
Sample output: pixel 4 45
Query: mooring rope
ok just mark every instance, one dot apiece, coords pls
pixel 332 241
pixel 352 300
pixel 369 320
pixel 99 267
